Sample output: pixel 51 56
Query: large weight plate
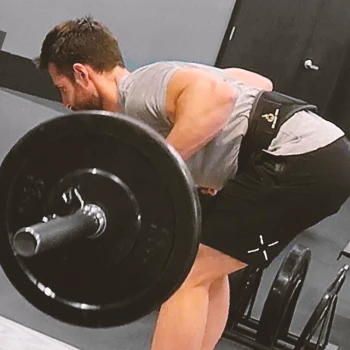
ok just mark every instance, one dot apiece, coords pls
pixel 99 295
pixel 283 296
pixel 244 285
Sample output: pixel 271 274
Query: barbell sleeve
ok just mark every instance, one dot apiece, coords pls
pixel 88 222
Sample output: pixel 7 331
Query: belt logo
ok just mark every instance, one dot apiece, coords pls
pixel 271 118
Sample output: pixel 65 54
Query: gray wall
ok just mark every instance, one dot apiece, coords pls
pixel 190 30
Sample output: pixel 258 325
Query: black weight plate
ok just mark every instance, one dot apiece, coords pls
pixel 244 285
pixel 322 311
pixel 283 296
pixel 78 291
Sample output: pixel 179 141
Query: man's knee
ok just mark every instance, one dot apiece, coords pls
pixel 211 265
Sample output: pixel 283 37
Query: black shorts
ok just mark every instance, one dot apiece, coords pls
pixel 258 213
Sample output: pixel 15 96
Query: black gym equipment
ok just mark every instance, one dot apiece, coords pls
pixel 320 323
pixel 279 306
pixel 244 286
pixel 281 301
pixel 272 330
pixel 100 219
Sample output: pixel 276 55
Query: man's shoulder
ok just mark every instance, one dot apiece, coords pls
pixel 153 74
pixel 164 70
pixel 158 65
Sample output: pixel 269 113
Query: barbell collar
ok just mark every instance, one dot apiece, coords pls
pixel 88 222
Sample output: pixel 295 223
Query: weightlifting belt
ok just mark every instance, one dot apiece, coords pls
pixel 269 112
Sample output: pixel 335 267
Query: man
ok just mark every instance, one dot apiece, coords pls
pixel 298 179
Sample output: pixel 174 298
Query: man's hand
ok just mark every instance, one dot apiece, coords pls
pixel 199 104
pixel 206 190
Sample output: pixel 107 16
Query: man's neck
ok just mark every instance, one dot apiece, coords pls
pixel 109 90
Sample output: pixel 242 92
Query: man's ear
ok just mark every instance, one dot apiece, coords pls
pixel 81 74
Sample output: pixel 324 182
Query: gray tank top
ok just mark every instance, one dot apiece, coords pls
pixel 142 95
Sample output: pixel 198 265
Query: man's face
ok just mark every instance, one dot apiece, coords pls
pixel 79 93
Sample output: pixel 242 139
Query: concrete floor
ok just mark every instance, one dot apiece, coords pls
pixel 18 113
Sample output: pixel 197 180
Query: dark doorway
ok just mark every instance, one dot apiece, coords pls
pixel 300 45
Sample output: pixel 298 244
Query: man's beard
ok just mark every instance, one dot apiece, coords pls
pixel 93 102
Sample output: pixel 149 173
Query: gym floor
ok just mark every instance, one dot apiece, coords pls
pixel 20 112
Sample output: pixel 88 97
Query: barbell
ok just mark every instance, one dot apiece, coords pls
pixel 100 218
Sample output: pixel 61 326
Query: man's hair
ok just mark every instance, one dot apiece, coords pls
pixel 82 40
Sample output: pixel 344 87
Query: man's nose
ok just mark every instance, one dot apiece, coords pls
pixel 66 102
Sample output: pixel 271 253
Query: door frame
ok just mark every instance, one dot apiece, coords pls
pixel 227 36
